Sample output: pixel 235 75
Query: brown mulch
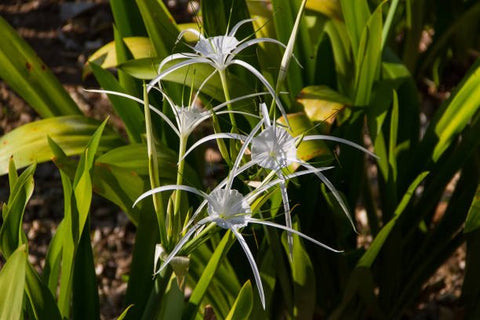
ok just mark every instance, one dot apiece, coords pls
pixel 64 39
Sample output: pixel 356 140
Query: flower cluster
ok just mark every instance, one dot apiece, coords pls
pixel 271 147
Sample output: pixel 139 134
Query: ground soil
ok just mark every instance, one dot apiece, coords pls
pixel 64 40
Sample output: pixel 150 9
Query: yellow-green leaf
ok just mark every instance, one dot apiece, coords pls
pixel 300 124
pixel 106 56
pixel 322 103
pixel 12 282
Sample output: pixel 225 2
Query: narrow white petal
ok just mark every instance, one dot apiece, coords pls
pixel 166 119
pixel 238 25
pixel 169 188
pixel 247 141
pixel 264 112
pixel 175 56
pixel 213 137
pixel 288 216
pixel 238 99
pixel 340 140
pixel 195 214
pixel 179 65
pixel 255 193
pixel 334 191
pixel 279 226
pixel 191 30
pixel 177 248
pixel 121 94
pixel 253 264
pixel 202 85
pixel 248 114
pixel 265 83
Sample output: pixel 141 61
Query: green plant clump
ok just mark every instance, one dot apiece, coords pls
pixel 288 90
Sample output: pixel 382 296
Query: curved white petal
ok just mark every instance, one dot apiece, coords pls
pixel 264 113
pixel 238 25
pixel 255 193
pixel 340 140
pixel 238 99
pixel 121 94
pixel 177 248
pixel 169 188
pixel 288 216
pixel 248 114
pixel 253 264
pixel 279 226
pixel 213 137
pixel 247 140
pixel 190 30
pixel 334 191
pixel 265 83
pixel 175 56
pixel 179 65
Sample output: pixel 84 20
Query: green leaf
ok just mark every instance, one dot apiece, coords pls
pixel 11 231
pixel 161 27
pixel 242 306
pixel 369 256
pixel 42 302
pixel 127 82
pixel 207 276
pixel 321 103
pixel 356 14
pixel 128 110
pixel 140 283
pixel 147 68
pixel 28 76
pixel 455 113
pixel 12 282
pixel 329 8
pixel 304 288
pixel 106 56
pixel 85 302
pixel 124 313
pixel 28 144
pixel 300 125
pixel 368 59
pixel 473 218
pixel 127 18
pixel 173 301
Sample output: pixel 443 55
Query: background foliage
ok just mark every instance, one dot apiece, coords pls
pixel 360 74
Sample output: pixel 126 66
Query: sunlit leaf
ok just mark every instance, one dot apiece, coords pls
pixel 28 76
pixel 28 144
pixel 12 282
pixel 242 307
pixel 322 103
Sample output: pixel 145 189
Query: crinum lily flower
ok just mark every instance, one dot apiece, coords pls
pixel 218 52
pixel 274 148
pixel 229 209
pixel 189 117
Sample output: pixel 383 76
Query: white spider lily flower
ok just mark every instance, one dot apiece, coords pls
pixel 229 209
pixel 219 52
pixel 276 149
pixel 187 118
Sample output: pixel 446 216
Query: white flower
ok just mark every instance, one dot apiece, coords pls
pixel 218 52
pixel 229 209
pixel 189 117
pixel 276 149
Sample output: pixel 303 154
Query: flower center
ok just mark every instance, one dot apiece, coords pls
pixel 228 208
pixel 274 148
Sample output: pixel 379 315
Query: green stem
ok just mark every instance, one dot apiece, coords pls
pixel 177 225
pixel 153 170
pixel 226 92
